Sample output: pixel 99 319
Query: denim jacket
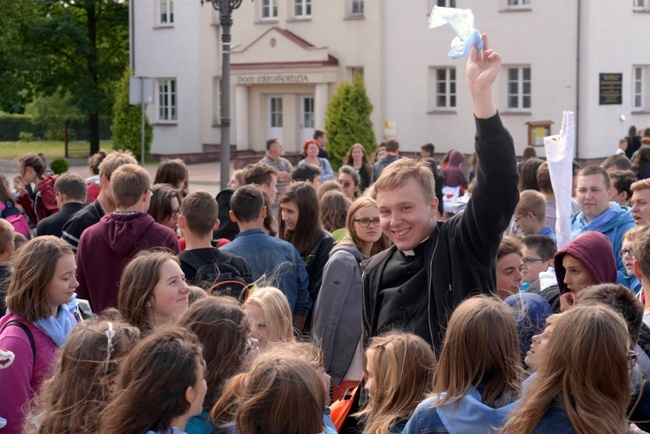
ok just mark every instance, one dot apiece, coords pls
pixel 468 416
pixel 278 260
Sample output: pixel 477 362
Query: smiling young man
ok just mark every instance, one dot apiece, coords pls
pixel 416 284
pixel 599 214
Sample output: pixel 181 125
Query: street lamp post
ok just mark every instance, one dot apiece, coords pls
pixel 225 8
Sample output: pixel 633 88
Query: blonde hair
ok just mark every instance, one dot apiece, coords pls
pixel 632 233
pixel 404 364
pixel 481 347
pixel 276 310
pixel 280 394
pixel 643 184
pixel 594 390
pixel 398 174
pixel 534 202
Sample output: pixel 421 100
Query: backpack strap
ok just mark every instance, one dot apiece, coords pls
pixel 27 331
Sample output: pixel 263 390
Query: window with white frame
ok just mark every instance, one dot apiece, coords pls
pixel 637 87
pixel 167 100
pixel 440 3
pixel 519 88
pixel 166 12
pixel 514 4
pixel 269 9
pixel 640 5
pixel 276 111
pixel 302 8
pixel 356 8
pixel 445 88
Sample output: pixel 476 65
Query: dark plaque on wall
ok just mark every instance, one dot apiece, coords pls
pixel 611 88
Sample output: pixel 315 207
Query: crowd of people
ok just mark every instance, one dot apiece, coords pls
pixel 393 295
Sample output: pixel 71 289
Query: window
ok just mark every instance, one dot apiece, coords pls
pixel 518 3
pixel 167 102
pixel 269 9
pixel 354 72
pixel 440 3
pixel 166 12
pixel 445 88
pixel 276 112
pixel 519 87
pixel 307 112
pixel 637 89
pixel 302 8
pixel 356 7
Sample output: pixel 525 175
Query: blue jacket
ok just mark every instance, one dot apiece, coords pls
pixel 619 222
pixel 470 416
pixel 278 261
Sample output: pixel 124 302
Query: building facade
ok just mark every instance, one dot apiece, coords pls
pixel 289 56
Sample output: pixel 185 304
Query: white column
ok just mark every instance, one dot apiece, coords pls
pixel 321 98
pixel 241 117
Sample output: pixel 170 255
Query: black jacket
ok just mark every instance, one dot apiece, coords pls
pixel 53 225
pixel 460 253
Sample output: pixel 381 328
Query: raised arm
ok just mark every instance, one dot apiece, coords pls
pixel 482 69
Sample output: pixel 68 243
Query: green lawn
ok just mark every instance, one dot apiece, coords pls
pixel 51 150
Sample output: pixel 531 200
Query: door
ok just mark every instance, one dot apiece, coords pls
pixel 306 118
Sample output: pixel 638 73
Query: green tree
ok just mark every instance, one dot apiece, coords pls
pixel 80 46
pixel 53 111
pixel 127 121
pixel 347 120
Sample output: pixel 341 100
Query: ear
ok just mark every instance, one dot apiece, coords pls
pixel 104 182
pixel 549 263
pixel 232 216
pixel 610 193
pixel 434 207
pixel 263 212
pixel 637 270
pixel 216 225
pixel 190 394
pixel 182 223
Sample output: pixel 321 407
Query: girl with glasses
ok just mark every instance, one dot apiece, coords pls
pixel 336 326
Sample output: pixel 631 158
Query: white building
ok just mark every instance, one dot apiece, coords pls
pixel 586 56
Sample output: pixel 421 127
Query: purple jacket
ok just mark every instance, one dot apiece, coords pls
pixel 594 251
pixel 21 375
pixel 107 247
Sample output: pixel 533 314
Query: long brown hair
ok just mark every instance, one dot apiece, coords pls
pixel 365 164
pixel 138 281
pixel 352 239
pixel 333 209
pixel 78 389
pixel 586 366
pixel 281 394
pixel 403 366
pixel 481 347
pixel 34 267
pixel 221 326
pixel 308 226
pixel 152 383
pixel 173 172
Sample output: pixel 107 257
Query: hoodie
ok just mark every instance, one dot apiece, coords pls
pixel 107 247
pixel 469 415
pixel 613 223
pixel 453 174
pixel 594 251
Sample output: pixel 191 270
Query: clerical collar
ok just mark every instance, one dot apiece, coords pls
pixel 413 252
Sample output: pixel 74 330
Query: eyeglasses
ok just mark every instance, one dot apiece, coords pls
pixel 516 219
pixel 529 260
pixel 345 184
pixel 624 252
pixel 176 212
pixel 365 222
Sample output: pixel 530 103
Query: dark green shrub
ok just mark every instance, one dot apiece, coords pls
pixel 347 121
pixel 59 166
